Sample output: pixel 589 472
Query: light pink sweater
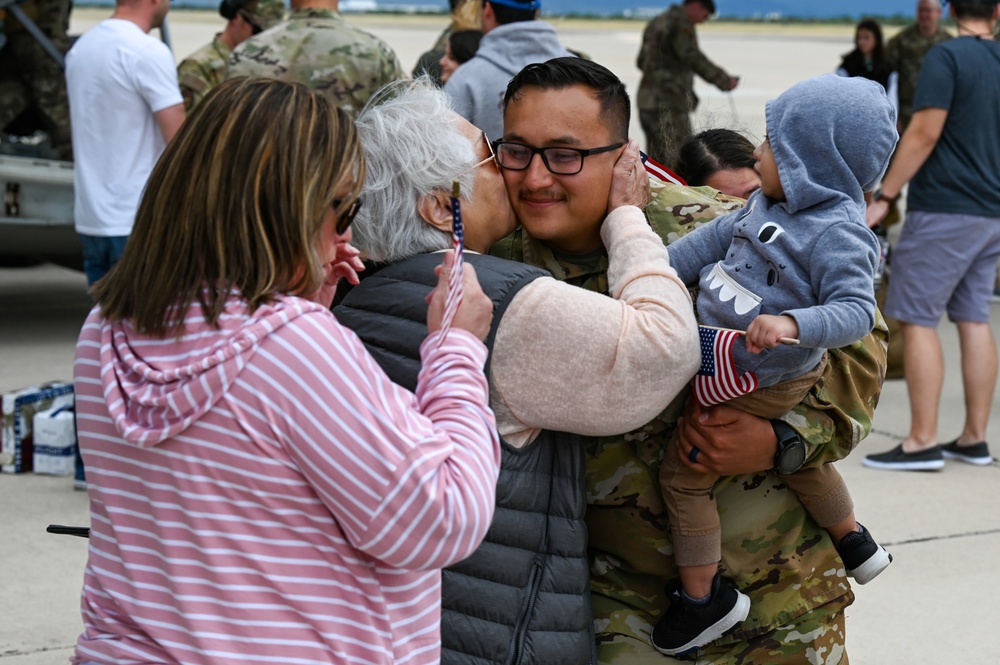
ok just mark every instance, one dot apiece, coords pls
pixel 264 494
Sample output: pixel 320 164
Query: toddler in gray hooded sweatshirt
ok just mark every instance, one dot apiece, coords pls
pixel 797 262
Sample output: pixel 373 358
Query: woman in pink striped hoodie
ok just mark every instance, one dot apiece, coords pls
pixel 260 492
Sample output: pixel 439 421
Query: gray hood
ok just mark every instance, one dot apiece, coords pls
pixel 832 130
pixel 513 46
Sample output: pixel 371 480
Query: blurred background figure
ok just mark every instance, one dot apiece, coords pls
pixel 722 159
pixel 868 59
pixel 946 257
pixel 669 58
pixel 206 68
pixel 317 47
pixel 513 38
pixel 126 106
pixel 905 52
pixel 465 15
pixel 461 47
pixel 31 80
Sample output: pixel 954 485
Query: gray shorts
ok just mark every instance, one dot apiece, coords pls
pixel 944 262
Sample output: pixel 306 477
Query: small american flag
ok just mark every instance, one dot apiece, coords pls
pixel 659 171
pixel 718 380
pixel 455 287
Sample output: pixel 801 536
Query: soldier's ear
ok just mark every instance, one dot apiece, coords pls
pixel 435 209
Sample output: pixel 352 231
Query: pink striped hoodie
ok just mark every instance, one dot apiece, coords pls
pixel 262 493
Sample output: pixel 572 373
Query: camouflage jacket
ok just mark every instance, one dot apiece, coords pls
pixel 905 53
pixel 318 48
pixel 203 70
pixel 771 548
pixel 669 58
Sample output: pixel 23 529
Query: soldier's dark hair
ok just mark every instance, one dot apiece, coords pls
pixel 707 4
pixel 713 150
pixel 559 73
pixel 506 11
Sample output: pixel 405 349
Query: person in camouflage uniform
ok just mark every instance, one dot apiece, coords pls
pixel 772 549
pixel 29 75
pixel 317 47
pixel 669 58
pixel 905 52
pixel 206 68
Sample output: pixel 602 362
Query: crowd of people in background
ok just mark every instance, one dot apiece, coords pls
pixel 299 448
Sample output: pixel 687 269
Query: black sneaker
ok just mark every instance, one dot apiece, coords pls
pixel 863 558
pixel 931 459
pixel 976 453
pixel 686 626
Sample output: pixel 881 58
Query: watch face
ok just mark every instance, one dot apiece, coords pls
pixel 792 457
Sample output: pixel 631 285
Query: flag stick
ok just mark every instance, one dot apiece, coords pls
pixel 454 297
pixel 784 340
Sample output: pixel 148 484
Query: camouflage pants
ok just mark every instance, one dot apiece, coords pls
pixel 28 75
pixel 817 638
pixel 666 130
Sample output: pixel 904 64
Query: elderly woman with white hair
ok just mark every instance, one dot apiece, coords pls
pixel 524 594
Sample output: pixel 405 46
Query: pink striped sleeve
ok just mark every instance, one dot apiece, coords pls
pixel 410 478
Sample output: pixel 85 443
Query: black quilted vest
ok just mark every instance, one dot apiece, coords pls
pixel 523 597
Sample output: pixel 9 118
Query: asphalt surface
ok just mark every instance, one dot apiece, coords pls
pixel 934 603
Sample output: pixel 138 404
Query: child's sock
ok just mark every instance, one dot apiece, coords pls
pixel 695 601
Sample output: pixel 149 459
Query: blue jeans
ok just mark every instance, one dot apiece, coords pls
pixel 100 254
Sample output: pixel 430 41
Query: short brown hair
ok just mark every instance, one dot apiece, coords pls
pixel 235 202
pixel 568 71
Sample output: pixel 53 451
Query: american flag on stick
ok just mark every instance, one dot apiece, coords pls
pixel 718 380
pixel 455 287
pixel 659 171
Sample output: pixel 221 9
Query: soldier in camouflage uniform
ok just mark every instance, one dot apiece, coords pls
pixel 669 58
pixel 772 549
pixel 29 75
pixel 206 68
pixel 317 47
pixel 905 52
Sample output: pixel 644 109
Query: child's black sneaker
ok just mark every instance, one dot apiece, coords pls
pixel 863 558
pixel 686 626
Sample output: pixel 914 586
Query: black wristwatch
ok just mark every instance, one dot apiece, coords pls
pixel 791 453
pixel 879 195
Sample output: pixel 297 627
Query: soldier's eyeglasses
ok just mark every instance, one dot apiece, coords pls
pixel 346 217
pixel 560 161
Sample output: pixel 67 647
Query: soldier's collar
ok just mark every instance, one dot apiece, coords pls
pixel 563 267
pixel 314 12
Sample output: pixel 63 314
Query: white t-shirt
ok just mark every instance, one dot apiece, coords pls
pixel 117 77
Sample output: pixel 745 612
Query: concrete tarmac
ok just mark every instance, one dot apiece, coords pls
pixel 932 606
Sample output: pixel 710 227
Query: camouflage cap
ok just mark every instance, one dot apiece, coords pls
pixel 266 13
